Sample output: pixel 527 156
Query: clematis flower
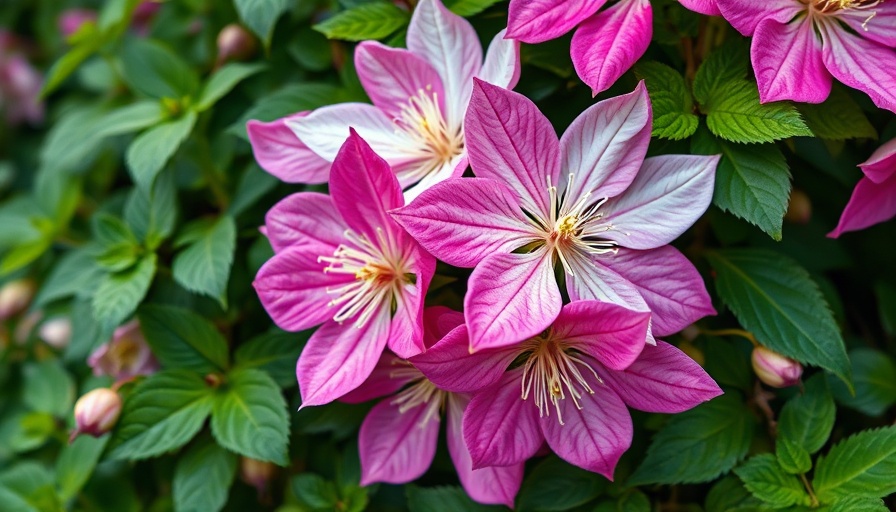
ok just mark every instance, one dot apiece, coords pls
pixel 709 7
pixel 125 356
pixel 798 45
pixel 589 202
pixel 343 262
pixel 568 386
pixel 398 438
pixel 874 198
pixel 419 97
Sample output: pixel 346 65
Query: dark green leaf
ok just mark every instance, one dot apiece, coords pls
pixel 148 153
pixel 442 499
pixel 838 118
pixel 223 81
pixel 118 294
pixel 76 463
pixel 118 247
pixel 180 338
pixel 862 466
pixel 151 68
pixel 73 274
pixel 68 63
pixel 806 420
pixel 202 478
pixel 253 185
pixel 734 113
pixel 792 457
pixel 729 495
pixel 151 213
pixel 314 491
pixel 204 266
pixel 727 63
pixel 557 485
pixel 673 116
pixel 765 479
pixel 275 353
pixel 131 118
pixel 48 388
pixel 261 16
pixel 859 505
pixel 874 377
pixel 28 486
pixel 374 20
pixel 469 7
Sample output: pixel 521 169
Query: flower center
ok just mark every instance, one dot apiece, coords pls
pixel 124 354
pixel 437 141
pixel 833 6
pixel 420 393
pixel 552 372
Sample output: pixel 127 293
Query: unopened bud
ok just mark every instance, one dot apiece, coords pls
pixel 774 369
pixel 234 43
pixel 56 332
pixel 71 20
pixel 15 297
pixel 257 473
pixel 96 412
pixel 799 210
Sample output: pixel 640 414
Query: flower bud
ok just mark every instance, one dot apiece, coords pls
pixel 774 369
pixel 234 43
pixel 71 20
pixel 257 473
pixel 96 412
pixel 15 297
pixel 799 210
pixel 56 332
pixel 125 356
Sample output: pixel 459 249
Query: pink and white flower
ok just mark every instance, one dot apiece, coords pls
pixel 568 386
pixel 125 356
pixel 419 97
pixel 589 201
pixel 800 45
pixel 343 262
pixel 874 198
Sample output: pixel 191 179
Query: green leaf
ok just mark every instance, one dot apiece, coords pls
pixel 250 417
pixel 151 68
pixel 162 413
pixel 792 457
pixel 28 486
pixel 261 16
pixel 374 20
pixel 727 63
pixel 673 116
pixel 152 213
pixel 202 478
pixel 862 466
pixel 148 153
pixel 729 495
pixel 765 479
pixel 874 377
pixel 851 504
pixel 48 388
pixel 131 118
pixel 442 499
pixel 118 294
pixel 29 250
pixel 223 81
pixel 118 247
pixel 73 274
pixel 76 463
pixel 752 182
pixel 469 7
pixel 806 420
pixel 254 184
pixel 715 435
pixel 180 338
pixel 838 118
pixel 58 194
pixel 557 485
pixel 204 266
pixel 734 113
pixel 68 63
pixel 315 492
pixel 774 298
pixel 274 353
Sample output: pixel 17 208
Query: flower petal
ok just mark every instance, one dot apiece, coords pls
pixel 708 7
pixel 392 76
pixel 870 204
pixel 502 62
pixel 664 380
pixel 536 21
pixel 607 332
pixel 303 218
pixel 463 220
pixel 407 337
pixel 606 45
pixel 396 447
pixel 861 64
pixel 787 62
pixel 511 297
pixel 438 321
pixel 877 24
pixel 339 357
pixel 279 152
pixel 605 146
pixel 409 174
pixel 382 381
pixel 669 194
pixel 500 428
pixel 745 15
pixel 881 165
pixel 509 140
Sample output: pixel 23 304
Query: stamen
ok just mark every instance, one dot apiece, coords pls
pixel 436 142
pixel 423 393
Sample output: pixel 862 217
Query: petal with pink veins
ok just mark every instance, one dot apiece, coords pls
pixel 536 21
pixel 502 62
pixel 877 24
pixel 860 64
pixel 745 15
pixel 392 76
pixel 383 380
pixel 279 152
pixel 396 447
pixel 303 218
pixel 708 7
pixel 663 380
pixel 870 204
pixel 606 45
pixel 408 175
pixel 881 165
pixel 787 61
pixel 607 332
pixel 407 338
pixel 438 321
pixel 669 194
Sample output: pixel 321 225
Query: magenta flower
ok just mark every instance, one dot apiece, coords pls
pixel 799 44
pixel 606 43
pixel 568 386
pixel 874 198
pixel 125 356
pixel 398 437
pixel 419 97
pixel 343 262
pixel 606 218
pixel 709 7
pixel 20 84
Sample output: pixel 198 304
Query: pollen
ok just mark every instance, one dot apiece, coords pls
pixel 836 6
pixel 437 139
pixel 422 393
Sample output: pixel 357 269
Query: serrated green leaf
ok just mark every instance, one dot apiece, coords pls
pixel 223 81
pixel 118 247
pixel 204 266
pixel 558 485
pixel 73 274
pixel 162 413
pixel 155 70
pixel 442 499
pixel 250 417
pixel 729 62
pixel 149 152
pixel 715 436
pixel 202 478
pixel 862 466
pixel 48 388
pixel 673 116
pixel 859 505
pixel 314 491
pixel 838 118
pixel 735 114
pixel 274 353
pixel 774 298
pixel 792 457
pixel 151 213
pixel 118 294
pixel 374 20
pixel 180 338
pixel 76 463
pixel 261 16
pixel 874 377
pixel 765 479
pixel 469 7
pixel 730 495
pixel 806 420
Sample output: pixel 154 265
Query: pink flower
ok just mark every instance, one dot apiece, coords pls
pixel 774 369
pixel 709 7
pixel 125 356
pixel 874 198
pixel 343 262
pixel 589 201
pixel 20 84
pixel 568 386
pixel 419 97
pixel 799 44
pixel 398 437
pixel 71 20
pixel 606 43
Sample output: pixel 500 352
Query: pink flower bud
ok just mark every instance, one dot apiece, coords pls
pixel 143 16
pixel 257 473
pixel 56 332
pixel 125 356
pixel 71 20
pixel 15 297
pixel 774 369
pixel 234 43
pixel 96 412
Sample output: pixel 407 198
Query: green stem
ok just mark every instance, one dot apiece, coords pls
pixel 809 489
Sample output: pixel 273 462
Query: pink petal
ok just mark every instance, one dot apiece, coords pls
pixel 670 285
pixel 870 204
pixel 409 173
pixel 669 194
pixel 881 166
pixel 500 428
pixel 536 21
pixel 861 64
pixel 438 321
pixel 496 485
pixel 510 298
pixel 606 45
pixel 502 62
pixel 396 447
pixel 392 76
pixel 593 437
pixel 509 140
pixel 881 27
pixel 339 357
pixel 605 146
pixel 607 332
pixel 292 287
pixel 592 280
pixel 450 44
pixel 407 337
pixel 708 7
pixel 745 15
pixel 787 62
pixel 279 152
pixel 303 218
pixel 382 381
pixel 461 221
pixel 664 380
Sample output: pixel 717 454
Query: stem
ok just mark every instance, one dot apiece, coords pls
pixel 731 332
pixel 809 489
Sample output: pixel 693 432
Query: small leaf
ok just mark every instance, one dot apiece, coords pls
pixel 315 492
pixel 118 247
pixel 727 63
pixel 730 495
pixel 223 81
pixel 673 116
pixel 48 388
pixel 76 463
pixel 72 274
pixel 151 212
pixel 131 118
pixel 874 376
pixel 838 118
pixel 792 458
pixel 374 20
pixel 151 68
pixel 202 478
pixel 274 353
pixel 806 420
pixel 148 153
pixel 261 16
pixel 735 114
pixel 765 479
pixel 204 266
pixel 862 466
pixel 443 499
pixel 180 338
pixel 254 184
pixel 68 63
pixel 558 485
pixel 469 7
pixel 851 504
pixel 118 294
